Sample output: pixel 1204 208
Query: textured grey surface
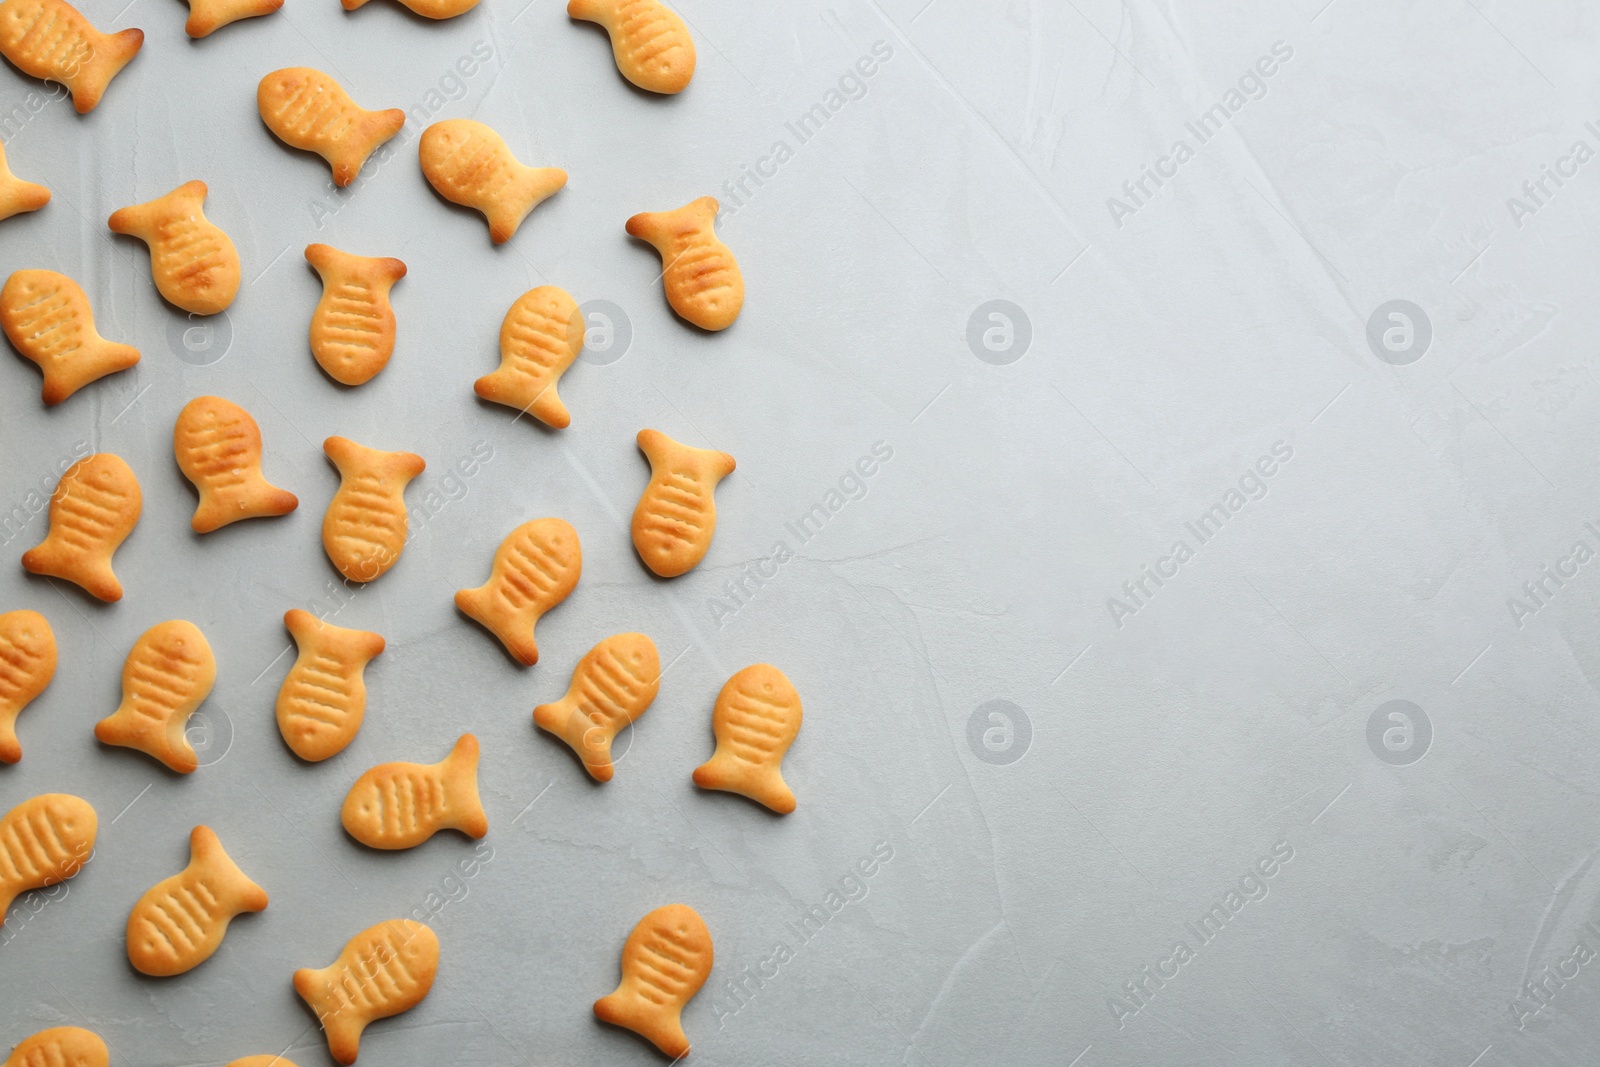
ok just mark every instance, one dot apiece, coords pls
pixel 1175 747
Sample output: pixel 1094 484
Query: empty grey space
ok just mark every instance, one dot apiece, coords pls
pixel 1212 657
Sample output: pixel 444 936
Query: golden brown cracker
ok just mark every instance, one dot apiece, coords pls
pixel 534 569
pixel 365 527
pixel 180 921
pixel 702 280
pixel 612 685
pixel 93 510
pixel 27 665
pixel 218 447
pixel 308 110
pixel 677 514
pixel 51 39
pixel 469 164
pixel 353 327
pixel 665 961
pixel 649 41
pixel 47 318
pixel 16 195
pixel 193 262
pixel 60 1046
pixel 401 805
pixel 382 971
pixel 169 673
pixel 208 16
pixel 324 697
pixel 428 9
pixel 756 718
pixel 540 336
pixel 44 840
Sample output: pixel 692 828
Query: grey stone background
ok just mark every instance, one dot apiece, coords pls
pixel 1388 890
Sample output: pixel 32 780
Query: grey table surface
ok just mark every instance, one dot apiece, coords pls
pixel 1212 659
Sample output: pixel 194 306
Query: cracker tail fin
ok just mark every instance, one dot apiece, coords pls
pixel 29 196
pixel 649 226
pixel 109 357
pixel 375 127
pixel 106 58
pixel 704 211
pixel 663 1029
pixel 575 729
pixel 10 747
pixel 655 445
pixel 532 187
pixel 461 775
pixel 341 1028
pixel 548 409
pixel 206 852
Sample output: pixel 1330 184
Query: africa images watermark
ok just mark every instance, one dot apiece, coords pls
pixel 1539 591
pixel 852 486
pixel 1537 192
pixel 1252 85
pixel 1537 993
pixel 850 86
pixel 1252 485
pixel 1138 991
pixel 737 992
pixel 16 519
pixel 15 119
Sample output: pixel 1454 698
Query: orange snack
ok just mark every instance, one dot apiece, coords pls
pixel 27 664
pixel 384 970
pixel 324 697
pixel 535 568
pixel 612 685
pixel 208 16
pixel 353 329
pixel 365 527
pixel 540 337
pixel 61 1046
pixel 665 961
pixel 310 111
pixel 702 280
pixel 51 39
pixel 756 719
pixel 167 675
pixel 193 262
pixel 469 164
pixel 218 446
pixel 44 840
pixel 16 195
pixel 649 41
pixel 47 318
pixel 180 921
pixel 677 514
pixel 93 510
pixel 401 805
